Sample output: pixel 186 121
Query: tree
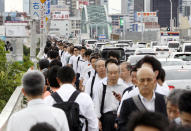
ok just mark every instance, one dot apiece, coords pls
pixel 10 75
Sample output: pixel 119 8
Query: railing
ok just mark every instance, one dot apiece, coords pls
pixel 14 104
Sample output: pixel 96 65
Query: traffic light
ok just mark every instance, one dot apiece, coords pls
pixel 168 28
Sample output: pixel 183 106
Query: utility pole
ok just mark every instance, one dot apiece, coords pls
pixel 171 20
pixel 33 40
pixel 42 29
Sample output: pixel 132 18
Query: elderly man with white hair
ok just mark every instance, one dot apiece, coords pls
pixel 36 111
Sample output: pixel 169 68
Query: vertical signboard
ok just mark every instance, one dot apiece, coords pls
pixel 35 9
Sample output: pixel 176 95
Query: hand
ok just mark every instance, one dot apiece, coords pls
pixel 99 125
pixel 118 97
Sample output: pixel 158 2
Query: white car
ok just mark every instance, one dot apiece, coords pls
pixel 122 45
pixel 133 59
pixel 171 62
pixel 98 45
pixel 162 51
pixel 141 44
pixel 178 77
pixel 144 51
pixel 185 56
pixel 90 44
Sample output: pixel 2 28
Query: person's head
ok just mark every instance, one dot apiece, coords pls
pixel 48 44
pixel 125 68
pixel 147 121
pixel 43 63
pixel 146 81
pixel 53 54
pixel 172 104
pixel 46 49
pixel 110 61
pixel 55 62
pixel 152 62
pixel 133 74
pixel 185 108
pixel 33 84
pixel 100 68
pixel 42 127
pixel 83 50
pixel 66 75
pixel 93 58
pixel 76 51
pixel 112 74
pixel 87 54
pixel 52 74
pixel 113 55
pixel 161 76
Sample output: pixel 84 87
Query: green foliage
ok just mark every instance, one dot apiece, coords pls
pixel 11 74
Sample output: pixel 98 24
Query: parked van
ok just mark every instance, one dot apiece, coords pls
pixel 90 44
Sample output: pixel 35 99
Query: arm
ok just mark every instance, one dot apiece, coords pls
pixel 124 114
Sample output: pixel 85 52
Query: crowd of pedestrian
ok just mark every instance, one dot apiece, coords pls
pixel 75 89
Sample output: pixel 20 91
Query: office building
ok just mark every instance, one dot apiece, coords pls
pixel 163 9
pixel 2 6
pixel 26 6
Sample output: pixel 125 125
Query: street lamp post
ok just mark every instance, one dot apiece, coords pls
pixel 171 20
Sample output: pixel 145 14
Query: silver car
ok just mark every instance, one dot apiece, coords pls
pixel 178 77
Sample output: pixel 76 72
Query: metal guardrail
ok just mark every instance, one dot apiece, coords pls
pixel 14 104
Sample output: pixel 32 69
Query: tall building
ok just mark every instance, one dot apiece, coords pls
pixel 163 9
pixel 185 7
pixel 129 9
pixel 54 2
pixel 26 6
pixel 2 5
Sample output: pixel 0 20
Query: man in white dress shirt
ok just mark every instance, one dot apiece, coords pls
pixel 90 87
pixel 37 110
pixel 74 58
pixel 107 98
pixel 125 77
pixel 66 79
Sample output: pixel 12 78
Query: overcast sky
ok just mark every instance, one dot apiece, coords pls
pixel 16 5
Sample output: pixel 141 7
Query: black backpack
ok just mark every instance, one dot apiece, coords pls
pixel 71 110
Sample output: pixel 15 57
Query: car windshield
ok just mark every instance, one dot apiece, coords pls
pixel 122 46
pixel 187 48
pixel 92 42
pixel 121 53
pixel 99 45
pixel 184 57
pixel 158 49
pixel 173 45
pixel 181 74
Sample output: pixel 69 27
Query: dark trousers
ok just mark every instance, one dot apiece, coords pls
pixel 108 121
pixel 77 80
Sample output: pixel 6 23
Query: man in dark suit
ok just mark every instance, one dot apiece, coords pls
pixel 147 100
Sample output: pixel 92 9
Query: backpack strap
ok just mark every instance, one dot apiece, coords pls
pixel 86 121
pixel 103 99
pixel 78 61
pixel 128 89
pixel 74 96
pixel 89 73
pixel 92 84
pixel 139 104
pixel 56 97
